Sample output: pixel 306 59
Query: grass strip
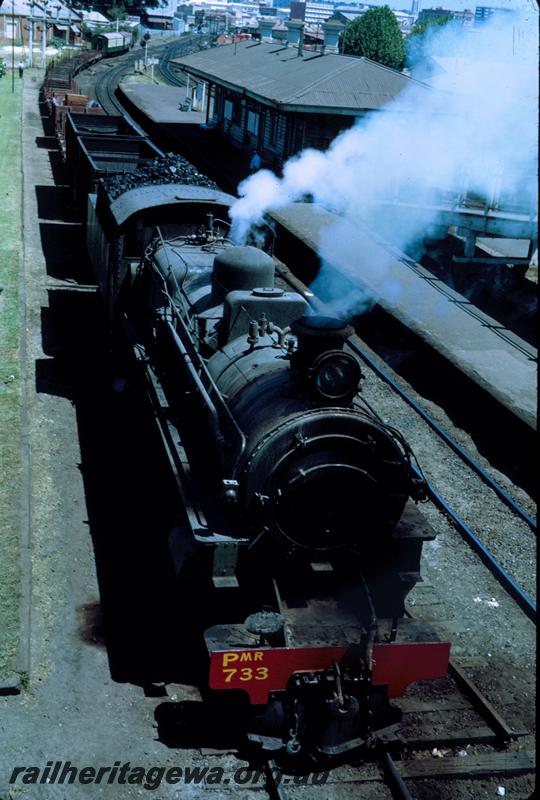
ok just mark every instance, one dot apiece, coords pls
pixel 10 377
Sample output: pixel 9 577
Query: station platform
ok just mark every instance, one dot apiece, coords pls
pixel 156 110
pixel 495 359
pixel 161 104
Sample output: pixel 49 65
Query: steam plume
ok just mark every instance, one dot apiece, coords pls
pixel 474 131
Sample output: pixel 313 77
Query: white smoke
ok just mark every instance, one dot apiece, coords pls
pixel 472 132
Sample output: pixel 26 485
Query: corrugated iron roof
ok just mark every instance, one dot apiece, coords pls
pixel 24 8
pixel 280 76
pixel 112 37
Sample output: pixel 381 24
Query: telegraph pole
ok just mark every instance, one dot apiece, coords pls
pixel 31 37
pixel 44 39
pixel 12 46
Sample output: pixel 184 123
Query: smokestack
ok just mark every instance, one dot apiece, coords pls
pixel 318 334
pixel 295 33
pixel 265 28
pixel 331 29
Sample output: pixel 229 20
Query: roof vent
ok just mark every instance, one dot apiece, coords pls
pixel 265 28
pixel 331 29
pixel 295 35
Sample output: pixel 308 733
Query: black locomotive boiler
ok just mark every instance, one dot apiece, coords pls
pixel 296 517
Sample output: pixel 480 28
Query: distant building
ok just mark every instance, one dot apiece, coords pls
pixel 346 17
pixel 267 11
pixel 351 8
pixel 156 19
pixel 298 9
pixel 404 19
pixel 94 20
pixel 466 17
pixel 484 13
pixel 317 13
pixel 22 19
pixel 161 21
pixel 311 13
pixel 183 11
pixel 348 14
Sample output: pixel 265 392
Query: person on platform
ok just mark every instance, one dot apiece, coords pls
pixel 255 163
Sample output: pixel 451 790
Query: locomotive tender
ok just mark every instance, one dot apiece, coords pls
pixel 296 497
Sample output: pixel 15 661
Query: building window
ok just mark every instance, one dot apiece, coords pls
pixel 228 109
pixel 237 113
pixel 253 123
pixel 273 121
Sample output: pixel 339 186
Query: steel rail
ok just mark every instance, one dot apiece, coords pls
pixel 498 725
pixel 394 781
pixel 105 86
pixel 498 571
pixel 165 68
pixel 501 493
pixel 175 49
pixel 274 778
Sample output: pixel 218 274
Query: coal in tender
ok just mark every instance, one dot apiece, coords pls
pixel 169 168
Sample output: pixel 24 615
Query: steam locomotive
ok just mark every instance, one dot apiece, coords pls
pixel 297 515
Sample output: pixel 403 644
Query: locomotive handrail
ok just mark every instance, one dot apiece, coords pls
pixel 214 416
pixel 200 369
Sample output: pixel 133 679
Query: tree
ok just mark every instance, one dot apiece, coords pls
pixel 112 8
pixel 376 35
pixel 117 12
pixel 420 28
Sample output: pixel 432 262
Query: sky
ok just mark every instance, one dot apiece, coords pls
pixel 456 5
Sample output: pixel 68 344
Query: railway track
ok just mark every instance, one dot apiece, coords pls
pixel 107 83
pixel 474 741
pixel 175 50
pixel 482 749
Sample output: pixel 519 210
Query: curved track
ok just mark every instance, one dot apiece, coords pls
pixel 182 47
pixel 107 83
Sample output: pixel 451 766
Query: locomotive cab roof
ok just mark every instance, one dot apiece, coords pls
pixel 143 198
